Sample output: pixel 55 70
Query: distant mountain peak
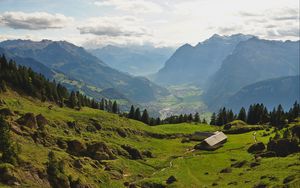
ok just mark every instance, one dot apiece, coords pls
pixel 203 59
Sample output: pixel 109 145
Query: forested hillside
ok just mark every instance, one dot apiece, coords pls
pixel 77 63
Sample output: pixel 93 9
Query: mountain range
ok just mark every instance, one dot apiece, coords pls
pixel 136 60
pixel 252 61
pixel 223 66
pixel 271 92
pixel 79 64
pixel 195 64
pixel 228 70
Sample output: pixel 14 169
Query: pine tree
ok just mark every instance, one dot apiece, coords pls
pixel 222 117
pixel 3 86
pixel 295 110
pixel 131 112
pixel 145 117
pixel 204 121
pixel 137 114
pixel 56 172
pixel 158 121
pixel 213 119
pixel 102 104
pixel 115 107
pixel 229 116
pixel 152 122
pixel 242 115
pixel 72 100
pixel 185 118
pixel 9 152
pixel 190 118
pixel 197 117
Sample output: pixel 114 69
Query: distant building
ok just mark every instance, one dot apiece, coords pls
pixel 213 142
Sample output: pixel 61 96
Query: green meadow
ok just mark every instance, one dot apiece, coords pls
pixel 170 157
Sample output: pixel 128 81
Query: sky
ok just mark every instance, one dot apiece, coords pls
pixel 96 23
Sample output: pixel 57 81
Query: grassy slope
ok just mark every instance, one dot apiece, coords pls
pixel 171 156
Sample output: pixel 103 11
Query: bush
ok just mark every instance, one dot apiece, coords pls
pixel 91 128
pixel 56 173
pixel 171 179
pixel 226 170
pixel 257 147
pixel 289 179
pixel 283 147
pixel 240 130
pixel 8 149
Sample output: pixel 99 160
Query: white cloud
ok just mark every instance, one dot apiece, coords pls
pixel 34 20
pixel 114 27
pixel 116 30
pixel 133 6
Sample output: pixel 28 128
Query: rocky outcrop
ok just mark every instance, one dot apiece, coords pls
pixel 28 120
pixel 152 185
pixel 171 180
pixel 62 144
pixel 44 138
pixel 96 124
pixel 133 152
pixel 99 151
pixel 6 112
pixel 41 121
pixel 75 147
pixel 147 153
pixel 8 175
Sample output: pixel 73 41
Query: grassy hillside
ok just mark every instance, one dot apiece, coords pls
pixel 168 155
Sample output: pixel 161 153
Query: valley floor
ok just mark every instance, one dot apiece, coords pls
pixel 168 155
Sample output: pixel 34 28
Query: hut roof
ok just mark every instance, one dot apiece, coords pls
pixel 216 138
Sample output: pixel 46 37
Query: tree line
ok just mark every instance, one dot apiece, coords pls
pixel 135 113
pixel 257 114
pixel 27 81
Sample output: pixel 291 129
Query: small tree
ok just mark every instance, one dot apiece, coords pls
pixel 213 119
pixel 56 173
pixel 3 86
pixel 9 151
pixel 157 121
pixel 137 114
pixel 145 117
pixel 242 114
pixel 115 107
pixel 131 112
pixel 190 118
pixel 197 117
pixel 73 100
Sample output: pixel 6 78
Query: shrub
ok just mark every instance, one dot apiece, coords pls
pixel 56 173
pixel 8 149
pixel 283 147
pixel 257 147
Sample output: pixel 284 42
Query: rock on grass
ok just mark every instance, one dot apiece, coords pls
pixel 171 179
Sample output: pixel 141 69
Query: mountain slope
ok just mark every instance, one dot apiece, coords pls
pixel 284 91
pixel 136 60
pixel 98 158
pixel 77 63
pixel 195 64
pixel 252 61
pixel 29 62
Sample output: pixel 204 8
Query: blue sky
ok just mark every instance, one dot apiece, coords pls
pixel 95 23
